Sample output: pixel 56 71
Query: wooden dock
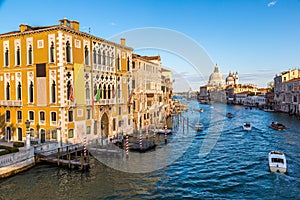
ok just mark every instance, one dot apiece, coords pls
pixel 72 156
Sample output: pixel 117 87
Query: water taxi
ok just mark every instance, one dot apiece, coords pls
pixel 277 162
pixel 277 126
pixel 199 126
pixel 247 126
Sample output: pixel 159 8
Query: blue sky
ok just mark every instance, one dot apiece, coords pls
pixel 257 38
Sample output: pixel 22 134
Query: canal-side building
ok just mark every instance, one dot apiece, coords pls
pixel 69 84
pixel 287 92
pixel 148 94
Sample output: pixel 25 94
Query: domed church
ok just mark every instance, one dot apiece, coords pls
pixel 216 78
pixel 232 79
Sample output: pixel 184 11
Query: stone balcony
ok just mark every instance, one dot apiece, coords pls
pixel 11 103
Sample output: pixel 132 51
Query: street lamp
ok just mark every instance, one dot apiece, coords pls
pixel 27 123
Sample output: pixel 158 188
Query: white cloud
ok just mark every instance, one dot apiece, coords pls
pixel 272 3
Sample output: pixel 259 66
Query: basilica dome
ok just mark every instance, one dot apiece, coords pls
pixel 216 78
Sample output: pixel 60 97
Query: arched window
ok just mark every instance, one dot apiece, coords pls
pixel 103 56
pixel 18 56
pixel 94 56
pixel 128 64
pixel 19 92
pixel 30 55
pixel 118 62
pixel 53 92
pixel 104 92
pixel 68 52
pixel 31 92
pixel 7 91
pixel 87 94
pixel 109 92
pixel 99 57
pixel 69 87
pixel 112 59
pixel 86 55
pixel 6 62
pixel 52 52
pixel 95 89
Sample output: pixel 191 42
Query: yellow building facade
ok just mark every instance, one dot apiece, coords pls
pixel 64 81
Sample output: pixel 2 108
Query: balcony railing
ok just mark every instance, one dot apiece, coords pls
pixel 11 103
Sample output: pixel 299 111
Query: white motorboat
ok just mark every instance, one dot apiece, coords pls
pixel 277 162
pixel 199 126
pixel 247 126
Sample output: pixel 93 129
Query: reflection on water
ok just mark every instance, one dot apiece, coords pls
pixel 235 168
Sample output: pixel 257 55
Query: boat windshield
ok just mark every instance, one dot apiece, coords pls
pixel 278 160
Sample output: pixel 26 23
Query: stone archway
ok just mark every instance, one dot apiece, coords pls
pixel 104 125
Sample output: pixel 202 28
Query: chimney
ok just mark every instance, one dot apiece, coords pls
pixel 75 25
pixel 23 27
pixel 123 41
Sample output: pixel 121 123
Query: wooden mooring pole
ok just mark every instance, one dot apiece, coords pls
pixel 58 156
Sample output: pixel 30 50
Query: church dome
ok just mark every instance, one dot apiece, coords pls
pixel 230 77
pixel 216 78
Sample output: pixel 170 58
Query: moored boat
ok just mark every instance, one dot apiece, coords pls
pixel 247 126
pixel 277 126
pixel 199 126
pixel 277 162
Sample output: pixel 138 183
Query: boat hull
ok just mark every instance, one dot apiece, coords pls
pixel 277 169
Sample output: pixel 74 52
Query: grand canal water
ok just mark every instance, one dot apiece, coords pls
pixel 222 162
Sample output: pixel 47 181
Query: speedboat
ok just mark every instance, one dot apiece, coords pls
pixel 277 126
pixel 229 115
pixel 198 126
pixel 247 126
pixel 277 162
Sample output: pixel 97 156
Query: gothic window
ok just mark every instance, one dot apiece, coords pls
pixel 31 92
pixel 30 55
pixel 95 89
pixel 7 91
pixel 87 94
pixel 19 92
pixel 52 53
pixel 103 56
pixel 69 88
pixel 68 52
pixel 99 57
pixel 94 56
pixel 53 92
pixel 18 56
pixel 118 62
pixel 104 92
pixel 109 92
pixel 86 55
pixel 6 58
pixel 119 91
